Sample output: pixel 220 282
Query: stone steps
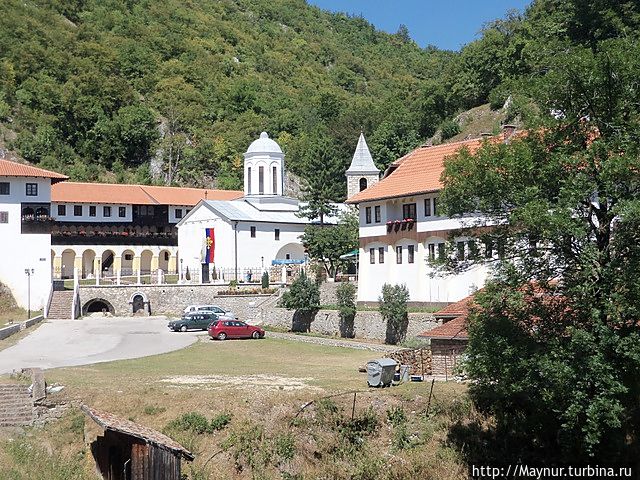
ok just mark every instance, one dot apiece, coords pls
pixel 61 303
pixel 16 406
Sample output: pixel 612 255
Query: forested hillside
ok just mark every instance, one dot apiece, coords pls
pixel 95 86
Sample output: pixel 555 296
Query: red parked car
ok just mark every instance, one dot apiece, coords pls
pixel 223 329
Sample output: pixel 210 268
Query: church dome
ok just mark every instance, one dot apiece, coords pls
pixel 264 145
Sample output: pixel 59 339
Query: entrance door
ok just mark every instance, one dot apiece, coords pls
pixel 138 303
pixel 205 273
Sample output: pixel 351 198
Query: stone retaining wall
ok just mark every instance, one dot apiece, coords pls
pixel 172 299
pixel 17 327
pixel 367 324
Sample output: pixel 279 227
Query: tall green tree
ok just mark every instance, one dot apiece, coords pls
pixel 327 243
pixel 555 343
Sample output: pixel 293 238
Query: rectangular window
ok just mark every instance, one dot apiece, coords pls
pixel 441 251
pixel 409 211
pixel 410 253
pixel 106 211
pixel 380 254
pixel 460 248
pixel 274 178
pixel 367 215
pixel 249 180
pixel 372 256
pixel 277 234
pixel 261 180
pixel 377 214
pixel 253 232
pixel 32 190
pixel 62 210
pixel 122 212
pixel 432 251
pixel 427 207
pixel 77 210
pixel 435 207
pixel 4 217
pixel 398 254
pixel 5 188
pixel 178 212
pixel 92 210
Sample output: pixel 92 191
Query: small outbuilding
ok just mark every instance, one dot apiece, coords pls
pixel 125 450
pixel 449 340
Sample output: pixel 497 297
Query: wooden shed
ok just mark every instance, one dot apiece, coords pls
pixel 125 450
pixel 449 340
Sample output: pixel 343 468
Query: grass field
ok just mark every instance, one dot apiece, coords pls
pixel 261 386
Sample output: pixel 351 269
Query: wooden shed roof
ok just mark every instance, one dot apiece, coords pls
pixel 108 421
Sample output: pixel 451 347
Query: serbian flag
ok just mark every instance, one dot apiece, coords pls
pixel 209 246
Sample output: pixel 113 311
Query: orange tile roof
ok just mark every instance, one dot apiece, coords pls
pixel 15 169
pixel 76 192
pixel 415 173
pixel 455 329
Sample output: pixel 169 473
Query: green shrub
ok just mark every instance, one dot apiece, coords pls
pixel 285 446
pixel 192 421
pixel 265 280
pixel 396 416
pixel 346 294
pixel 393 308
pixel 449 129
pixel 220 421
pixel 303 295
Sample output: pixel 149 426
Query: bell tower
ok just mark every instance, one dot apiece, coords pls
pixel 363 172
pixel 263 168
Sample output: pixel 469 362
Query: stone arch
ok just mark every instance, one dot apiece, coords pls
pixel 291 251
pixel 68 263
pixel 163 260
pixel 98 305
pixel 126 262
pixel 88 260
pixel 145 262
pixel 363 183
pixel 106 265
pixel 139 303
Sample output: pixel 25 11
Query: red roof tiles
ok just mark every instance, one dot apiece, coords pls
pixel 108 421
pixel 76 192
pixel 415 173
pixel 15 169
pixel 456 328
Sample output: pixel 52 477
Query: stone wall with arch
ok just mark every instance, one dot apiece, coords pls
pixel 110 260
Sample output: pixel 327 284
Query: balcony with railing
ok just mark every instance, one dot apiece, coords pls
pixel 113 235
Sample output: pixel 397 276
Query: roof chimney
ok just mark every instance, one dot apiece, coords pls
pixel 507 131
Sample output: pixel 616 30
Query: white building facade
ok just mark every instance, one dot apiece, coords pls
pixel 250 234
pixel 402 230
pixel 25 222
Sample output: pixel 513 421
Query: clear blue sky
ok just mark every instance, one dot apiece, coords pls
pixel 447 24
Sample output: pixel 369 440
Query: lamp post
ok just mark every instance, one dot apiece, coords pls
pixel 28 272
pixel 181 273
pixel 262 260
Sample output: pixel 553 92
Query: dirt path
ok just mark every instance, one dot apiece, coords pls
pixel 331 342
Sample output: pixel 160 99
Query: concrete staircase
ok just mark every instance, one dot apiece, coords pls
pixel 61 305
pixel 16 406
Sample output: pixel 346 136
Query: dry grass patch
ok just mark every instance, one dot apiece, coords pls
pixel 238 406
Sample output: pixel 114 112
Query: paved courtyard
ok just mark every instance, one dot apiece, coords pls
pixel 61 343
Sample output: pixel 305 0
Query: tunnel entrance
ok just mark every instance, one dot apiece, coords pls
pixel 98 305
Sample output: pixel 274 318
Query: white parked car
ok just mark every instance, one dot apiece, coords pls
pixel 218 310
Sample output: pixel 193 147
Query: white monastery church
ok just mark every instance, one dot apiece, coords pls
pixel 242 237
